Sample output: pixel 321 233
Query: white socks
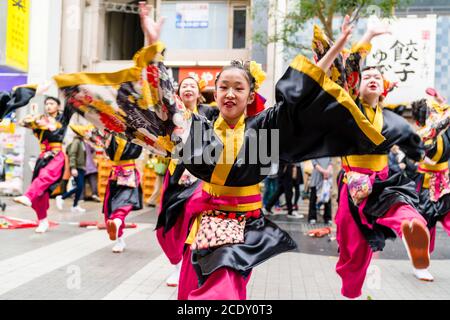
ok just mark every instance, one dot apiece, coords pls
pixel 23 200
pixel 43 226
pixel 423 274
pixel 119 246
pixel 59 202
pixel 172 280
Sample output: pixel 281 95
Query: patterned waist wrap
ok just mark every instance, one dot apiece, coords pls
pixel 435 179
pixel 234 204
pixel 121 167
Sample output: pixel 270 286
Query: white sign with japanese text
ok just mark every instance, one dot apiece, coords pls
pixel 192 15
pixel 407 56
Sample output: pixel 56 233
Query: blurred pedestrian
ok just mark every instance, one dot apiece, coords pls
pixel 321 177
pixel 76 152
pixel 91 177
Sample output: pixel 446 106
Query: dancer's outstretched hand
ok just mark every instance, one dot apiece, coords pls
pixel 375 28
pixel 346 28
pixel 151 29
pixel 346 33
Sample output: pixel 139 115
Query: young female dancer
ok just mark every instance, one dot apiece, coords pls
pixel 123 191
pixel 50 129
pixel 373 204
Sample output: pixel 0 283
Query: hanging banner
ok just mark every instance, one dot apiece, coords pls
pixel 207 74
pixel 192 15
pixel 17 32
pixel 407 57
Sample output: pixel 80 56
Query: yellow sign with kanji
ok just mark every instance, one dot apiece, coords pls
pixel 17 32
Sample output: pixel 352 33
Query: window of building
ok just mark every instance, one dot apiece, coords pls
pixel 123 33
pixel 189 26
pixel 204 25
pixel 239 27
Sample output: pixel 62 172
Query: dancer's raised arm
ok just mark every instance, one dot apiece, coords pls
pixel 347 29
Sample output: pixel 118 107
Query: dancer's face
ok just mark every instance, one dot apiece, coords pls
pixel 189 92
pixel 51 107
pixel 233 94
pixel 372 85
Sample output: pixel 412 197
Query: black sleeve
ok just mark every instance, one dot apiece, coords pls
pixel 403 135
pixel 11 101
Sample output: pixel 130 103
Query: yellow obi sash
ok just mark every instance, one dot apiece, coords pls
pixel 52 146
pixel 424 167
pixel 121 167
pixel 429 169
pixel 243 199
pixel 374 162
pixel 124 163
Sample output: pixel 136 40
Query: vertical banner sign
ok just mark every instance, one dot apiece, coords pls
pixel 17 33
pixel 407 56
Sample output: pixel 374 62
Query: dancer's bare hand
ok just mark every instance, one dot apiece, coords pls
pixel 346 28
pixel 74 172
pixel 379 29
pixel 151 29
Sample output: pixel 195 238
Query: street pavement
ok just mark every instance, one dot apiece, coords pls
pixel 72 263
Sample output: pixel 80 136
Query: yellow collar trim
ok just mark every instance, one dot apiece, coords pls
pixel 375 116
pixel 121 143
pixel 440 149
pixel 232 140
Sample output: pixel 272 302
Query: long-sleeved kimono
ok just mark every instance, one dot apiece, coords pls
pixel 362 228
pixel 313 117
pixel 373 203
pixel 123 191
pixel 49 167
pixel 234 187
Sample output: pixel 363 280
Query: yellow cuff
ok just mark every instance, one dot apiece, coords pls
pixel 147 54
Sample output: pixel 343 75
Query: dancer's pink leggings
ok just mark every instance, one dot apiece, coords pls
pixel 38 190
pixel 222 284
